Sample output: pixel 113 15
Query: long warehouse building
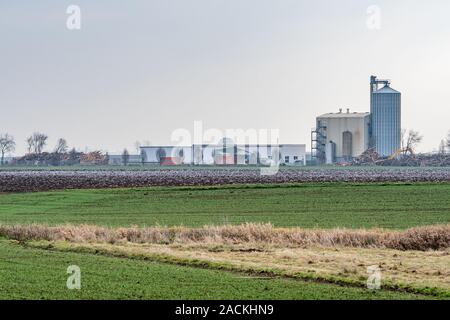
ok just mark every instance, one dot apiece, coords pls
pixel 225 154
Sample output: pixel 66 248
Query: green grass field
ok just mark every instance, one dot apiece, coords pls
pixel 394 206
pixel 40 274
pixel 31 273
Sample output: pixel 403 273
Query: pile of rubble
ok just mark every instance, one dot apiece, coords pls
pixel 433 160
pixel 62 159
pixel 371 157
pixel 95 157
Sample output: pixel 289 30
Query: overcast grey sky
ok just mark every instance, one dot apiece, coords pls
pixel 138 70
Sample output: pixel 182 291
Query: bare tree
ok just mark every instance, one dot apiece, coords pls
pixel 30 144
pixel 410 141
pixel 61 146
pixel 447 141
pixel 125 157
pixel 36 142
pixel 137 145
pixel 404 139
pixel 41 141
pixel 442 147
pixel 7 144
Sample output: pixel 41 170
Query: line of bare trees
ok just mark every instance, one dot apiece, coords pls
pixel 60 155
pixel 35 145
pixel 37 141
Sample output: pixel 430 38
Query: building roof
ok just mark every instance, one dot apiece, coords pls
pixel 234 144
pixel 163 147
pixel 345 115
pixel 386 89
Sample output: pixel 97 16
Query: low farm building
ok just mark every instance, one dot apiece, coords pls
pixel 117 159
pixel 225 154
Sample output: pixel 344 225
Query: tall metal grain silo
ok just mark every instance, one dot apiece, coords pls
pixel 385 110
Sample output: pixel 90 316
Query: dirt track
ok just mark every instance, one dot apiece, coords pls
pixel 24 181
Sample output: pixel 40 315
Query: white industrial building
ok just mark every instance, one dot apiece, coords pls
pixel 341 136
pixel 167 155
pixel 225 154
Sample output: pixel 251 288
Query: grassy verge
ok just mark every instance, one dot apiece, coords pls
pixel 401 272
pixel 415 260
pixel 30 273
pixel 395 206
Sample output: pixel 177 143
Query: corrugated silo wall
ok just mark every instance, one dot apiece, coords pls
pixel 386 122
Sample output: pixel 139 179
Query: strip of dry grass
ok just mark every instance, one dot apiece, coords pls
pixel 416 259
pixel 420 238
pixel 413 271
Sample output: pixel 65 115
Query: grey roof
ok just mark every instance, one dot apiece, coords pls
pixel 386 89
pixel 163 147
pixel 221 145
pixel 345 115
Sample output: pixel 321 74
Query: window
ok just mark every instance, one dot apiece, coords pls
pixel 286 159
pixel 295 158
